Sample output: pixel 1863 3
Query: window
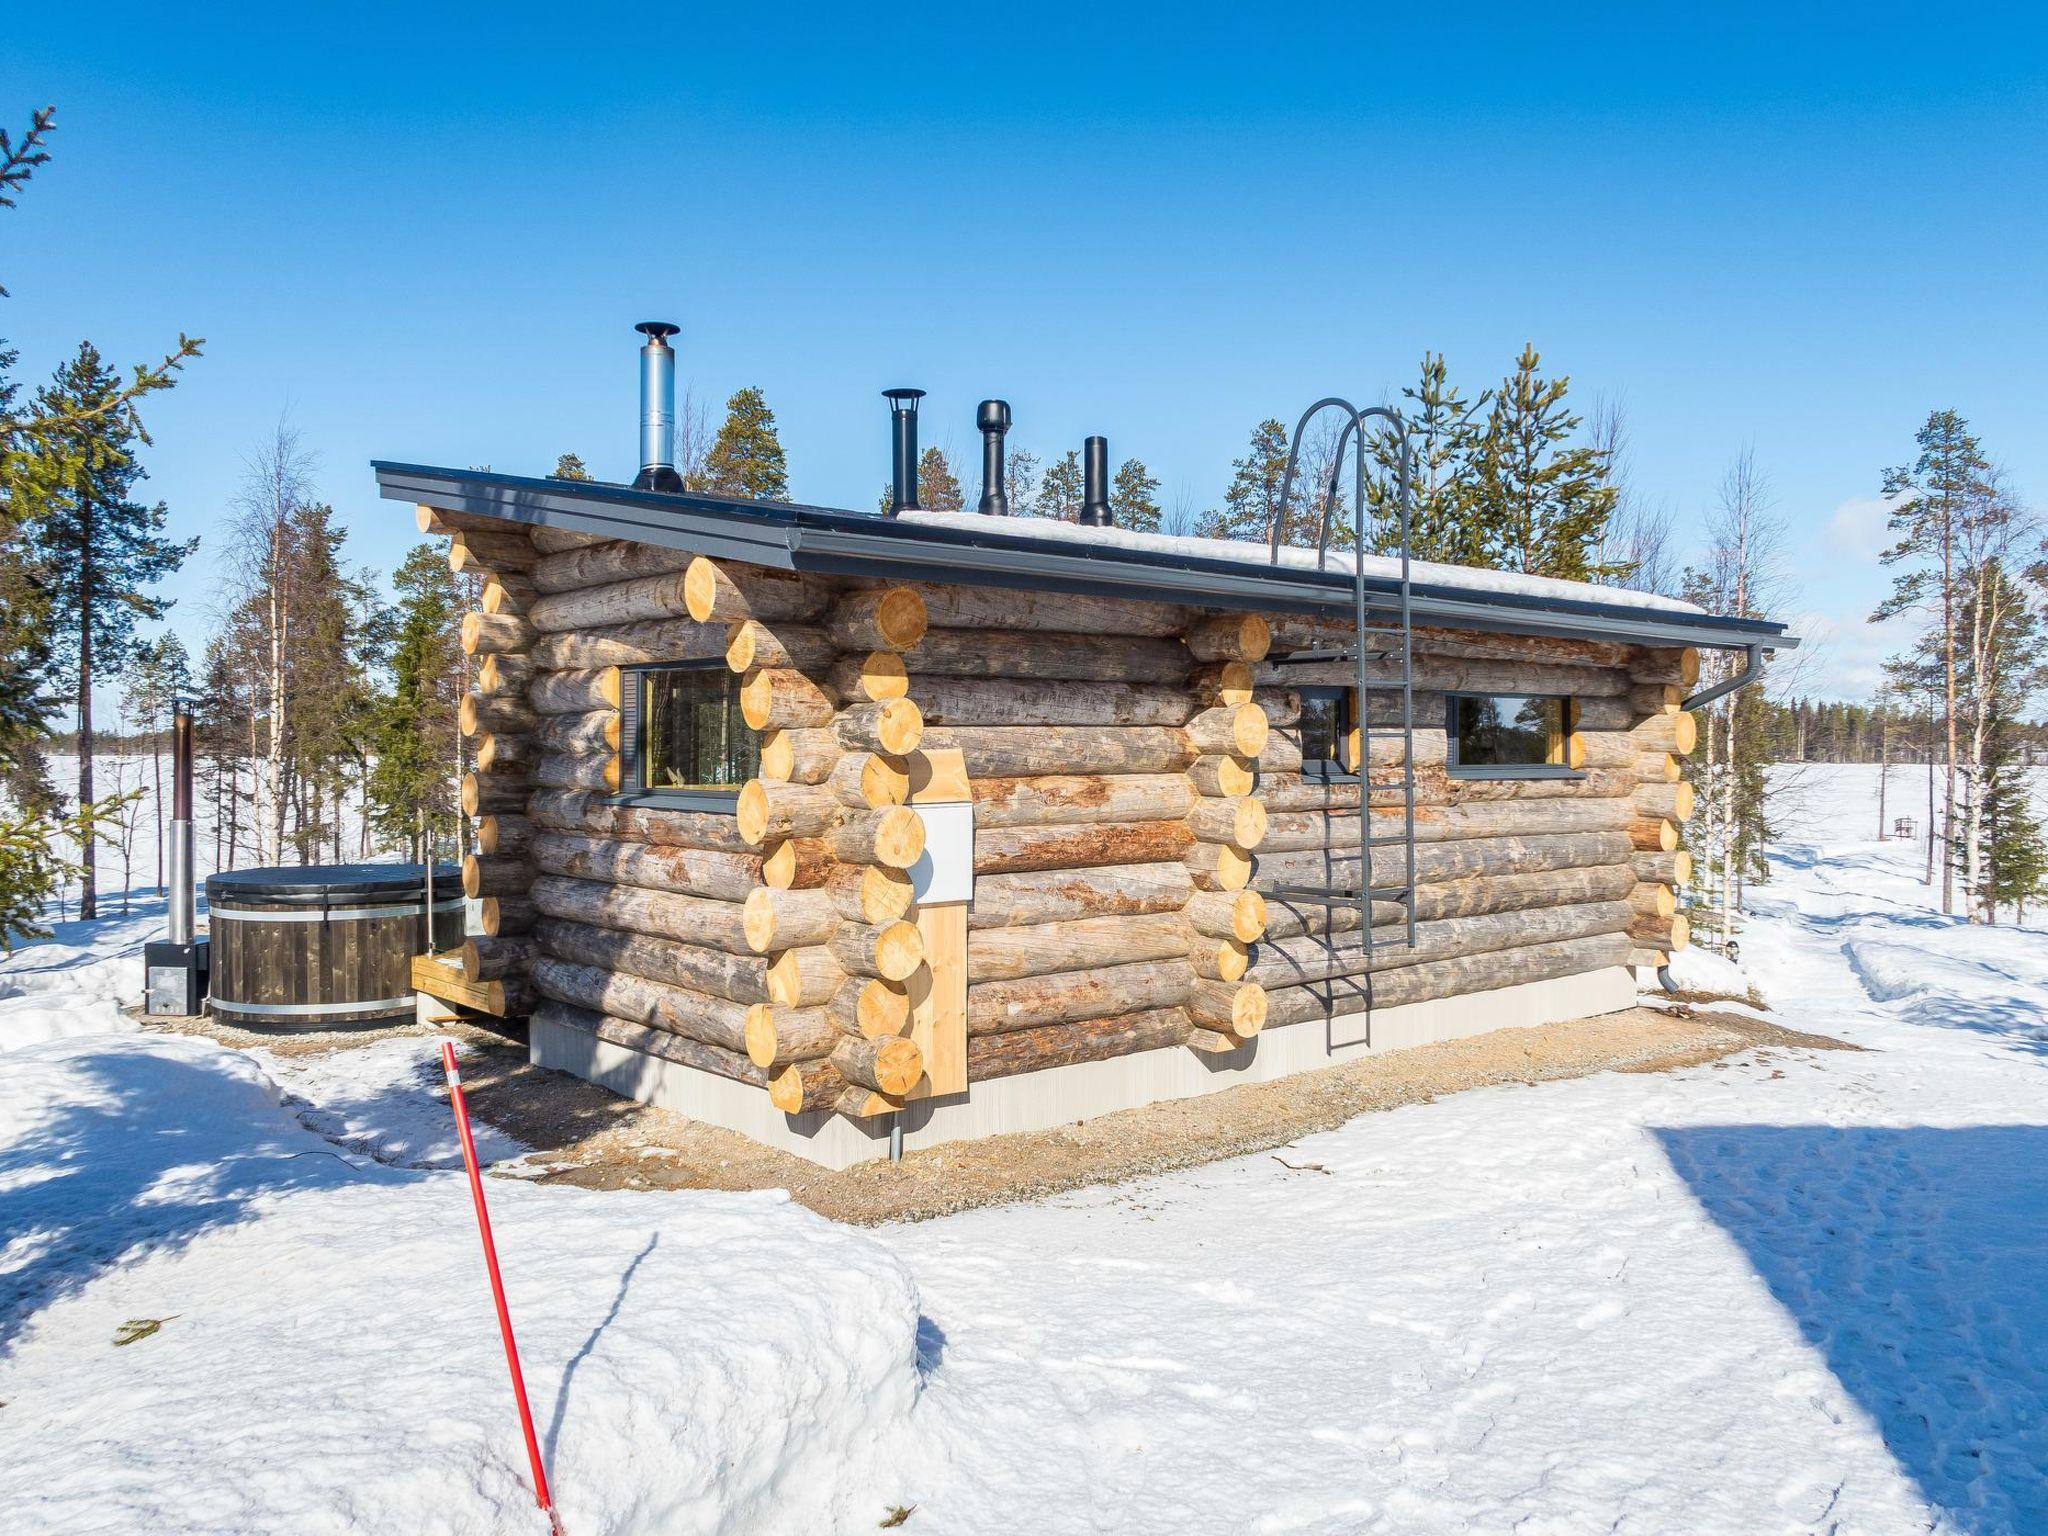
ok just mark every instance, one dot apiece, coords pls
pixel 1327 721
pixel 1504 735
pixel 687 739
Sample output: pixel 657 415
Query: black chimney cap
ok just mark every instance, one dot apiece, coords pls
pixel 659 330
pixel 993 416
pixel 906 399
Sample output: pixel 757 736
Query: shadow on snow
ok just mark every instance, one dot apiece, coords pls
pixel 1912 1258
pixel 154 1152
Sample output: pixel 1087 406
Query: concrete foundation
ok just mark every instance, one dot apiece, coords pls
pixel 1036 1101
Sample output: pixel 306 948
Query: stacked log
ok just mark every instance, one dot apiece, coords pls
pixel 498 724
pixel 1662 734
pixel 1077 723
pixel 823 679
pixel 1227 820
pixel 1515 879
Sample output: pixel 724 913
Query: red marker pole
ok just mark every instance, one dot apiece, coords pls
pixel 483 1227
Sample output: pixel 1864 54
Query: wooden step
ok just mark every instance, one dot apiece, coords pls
pixel 441 976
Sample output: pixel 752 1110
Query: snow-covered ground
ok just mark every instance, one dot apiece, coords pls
pixel 1795 1292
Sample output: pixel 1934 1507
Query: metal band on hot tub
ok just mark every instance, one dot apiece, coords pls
pixel 375 1005
pixel 331 914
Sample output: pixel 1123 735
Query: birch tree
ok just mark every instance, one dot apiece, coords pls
pixel 276 485
pixel 1742 578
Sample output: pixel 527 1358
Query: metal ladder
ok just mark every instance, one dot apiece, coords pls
pixel 1384 633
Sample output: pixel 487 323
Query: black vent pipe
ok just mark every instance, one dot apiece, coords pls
pixel 1095 511
pixel 903 449
pixel 994 420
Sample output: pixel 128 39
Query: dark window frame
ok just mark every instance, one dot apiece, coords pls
pixel 633 745
pixel 1557 770
pixel 1331 770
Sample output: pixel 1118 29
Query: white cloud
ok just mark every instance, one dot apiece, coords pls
pixel 1840 656
pixel 1858 526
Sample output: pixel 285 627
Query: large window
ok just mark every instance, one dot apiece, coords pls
pixel 689 738
pixel 1507 734
pixel 1326 726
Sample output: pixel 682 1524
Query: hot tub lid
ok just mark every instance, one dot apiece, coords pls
pixel 318 884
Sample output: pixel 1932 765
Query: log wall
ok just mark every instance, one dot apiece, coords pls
pixel 1136 776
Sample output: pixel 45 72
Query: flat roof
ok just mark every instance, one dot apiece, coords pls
pixel 985 552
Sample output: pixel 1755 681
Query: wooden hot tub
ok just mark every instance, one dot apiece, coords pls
pixel 325 947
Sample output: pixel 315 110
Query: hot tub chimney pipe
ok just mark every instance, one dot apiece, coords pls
pixel 657 409
pixel 994 420
pixel 1095 511
pixel 180 906
pixel 903 449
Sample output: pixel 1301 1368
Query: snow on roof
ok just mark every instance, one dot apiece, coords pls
pixel 1377 567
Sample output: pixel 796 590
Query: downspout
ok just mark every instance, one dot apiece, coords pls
pixel 1753 668
pixel 1755 661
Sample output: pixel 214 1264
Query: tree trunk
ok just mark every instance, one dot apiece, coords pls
pixel 88 862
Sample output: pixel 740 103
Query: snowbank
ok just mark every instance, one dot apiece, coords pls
pixel 59 1014
pixel 328 1361
pixel 1697 969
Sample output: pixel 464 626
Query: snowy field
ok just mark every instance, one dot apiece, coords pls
pixel 1796 1293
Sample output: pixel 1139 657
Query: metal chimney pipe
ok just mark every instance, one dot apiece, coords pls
pixel 657 409
pixel 180 909
pixel 993 418
pixel 903 449
pixel 1095 511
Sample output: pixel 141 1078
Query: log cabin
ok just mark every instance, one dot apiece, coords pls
pixel 845 830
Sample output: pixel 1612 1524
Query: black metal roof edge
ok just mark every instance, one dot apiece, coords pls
pixel 791 536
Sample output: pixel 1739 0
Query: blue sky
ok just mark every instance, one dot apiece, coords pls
pixel 426 236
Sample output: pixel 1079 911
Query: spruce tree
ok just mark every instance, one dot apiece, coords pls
pixel 1543 500
pixel 2016 848
pixel 569 466
pixel 746 457
pixel 1134 497
pixel 1252 499
pixel 938 490
pixel 1060 490
pixel 101 553
pixel 416 718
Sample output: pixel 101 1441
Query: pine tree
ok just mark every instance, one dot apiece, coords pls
pixel 570 467
pixel 938 490
pixel 101 553
pixel 1445 431
pixel 1544 501
pixel 1252 499
pixel 1932 498
pixel 416 719
pixel 1134 497
pixel 746 457
pixel 35 445
pixel 1060 490
pixel 25 670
